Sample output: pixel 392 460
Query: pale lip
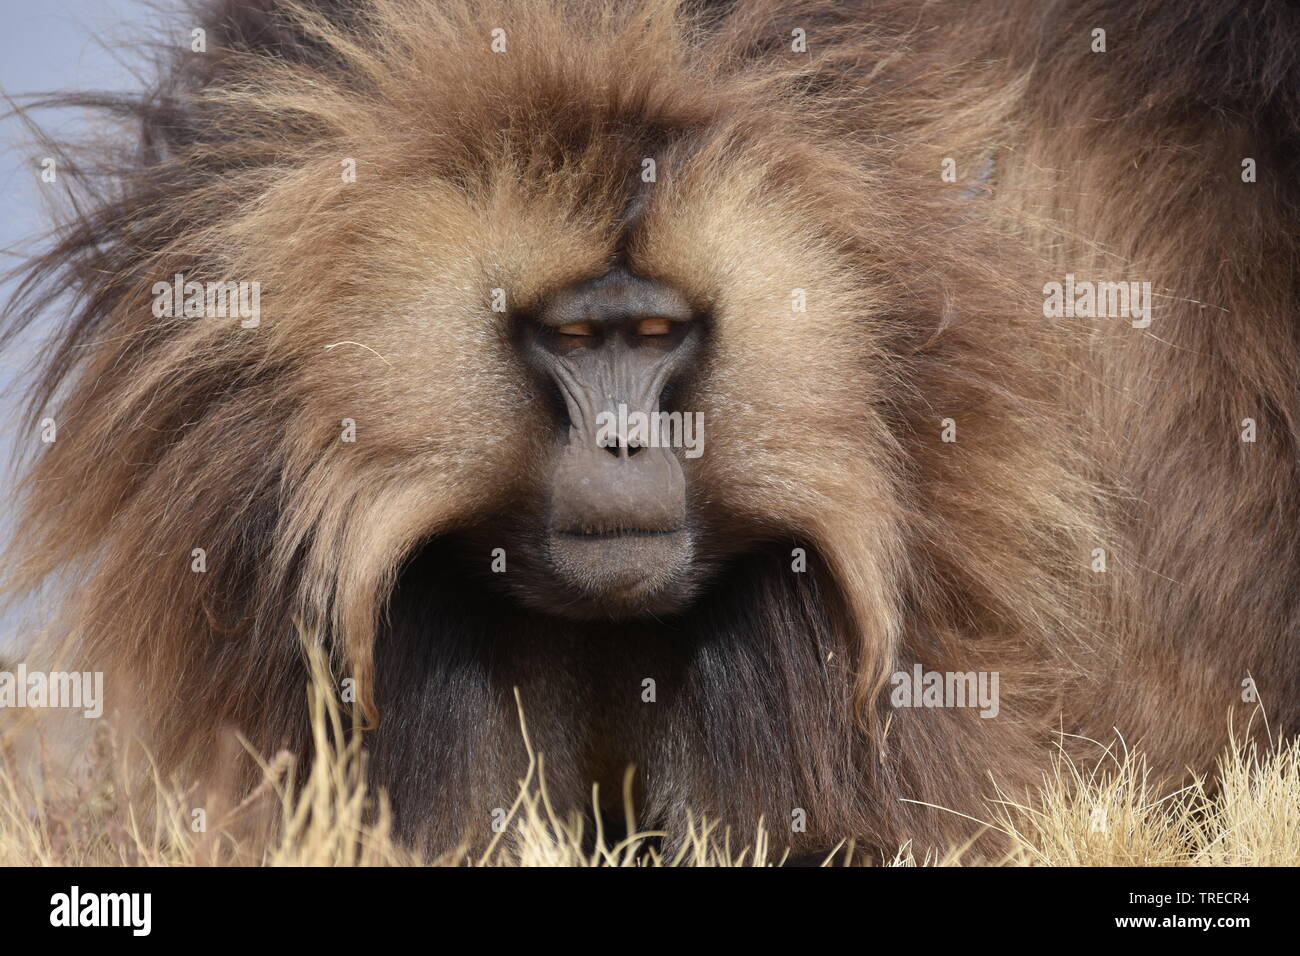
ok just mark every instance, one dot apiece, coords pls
pixel 622 566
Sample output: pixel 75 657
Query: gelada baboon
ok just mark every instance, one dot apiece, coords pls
pixel 977 321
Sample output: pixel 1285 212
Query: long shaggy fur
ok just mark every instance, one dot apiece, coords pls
pixel 777 171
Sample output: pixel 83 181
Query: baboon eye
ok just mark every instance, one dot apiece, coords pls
pixel 652 327
pixel 579 330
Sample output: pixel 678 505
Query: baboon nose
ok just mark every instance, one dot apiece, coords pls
pixel 624 448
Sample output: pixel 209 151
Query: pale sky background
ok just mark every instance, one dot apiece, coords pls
pixel 46 45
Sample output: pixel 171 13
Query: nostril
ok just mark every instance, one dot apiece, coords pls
pixel 620 448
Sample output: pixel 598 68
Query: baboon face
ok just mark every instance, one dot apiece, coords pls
pixel 603 446
pixel 542 295
pixel 613 353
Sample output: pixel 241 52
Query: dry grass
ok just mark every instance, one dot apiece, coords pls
pixel 1113 816
pixel 1107 816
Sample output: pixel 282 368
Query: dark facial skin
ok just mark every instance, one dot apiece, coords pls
pixel 615 538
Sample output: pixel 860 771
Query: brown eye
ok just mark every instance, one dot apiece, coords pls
pixel 577 329
pixel 652 327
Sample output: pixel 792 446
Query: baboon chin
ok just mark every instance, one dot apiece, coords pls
pixel 684 368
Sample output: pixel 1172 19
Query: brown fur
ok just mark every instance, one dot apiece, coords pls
pixel 777 171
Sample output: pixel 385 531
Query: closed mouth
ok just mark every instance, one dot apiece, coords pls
pixel 619 533
pixel 620 567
